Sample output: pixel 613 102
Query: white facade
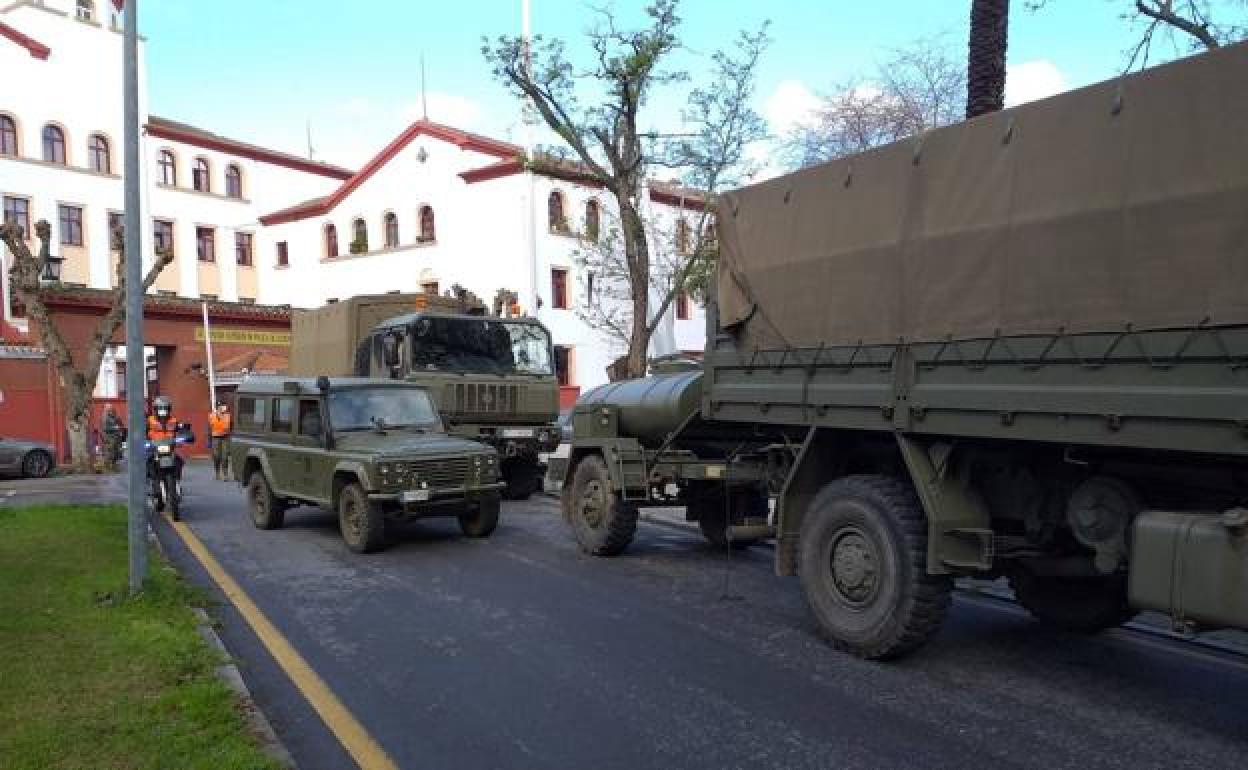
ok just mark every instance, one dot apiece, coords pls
pixel 483 222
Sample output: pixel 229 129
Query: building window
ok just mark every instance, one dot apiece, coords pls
pixel 54 144
pixel 331 241
pixel 682 236
pixel 8 135
pixel 429 287
pixel 162 237
pixel 242 249
pixel 563 364
pixel 119 367
pixel 359 237
pixel 98 154
pixel 682 306
pixel 233 181
pixel 168 168
pixel 116 230
pixel 554 213
pixel 711 239
pixel 71 225
pixel 591 221
pixel 200 175
pixel 17 212
pixel 589 288
pixel 391 223
pixel 206 244
pixel 283 254
pixel 428 231
pixel 559 287
pixel 86 10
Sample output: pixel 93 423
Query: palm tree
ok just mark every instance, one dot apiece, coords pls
pixel 985 67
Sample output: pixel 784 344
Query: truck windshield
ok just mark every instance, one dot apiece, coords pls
pixel 365 408
pixel 486 346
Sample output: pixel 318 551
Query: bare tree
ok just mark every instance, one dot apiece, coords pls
pixel 77 377
pixel 920 86
pixel 605 138
pixel 986 48
pixel 1203 24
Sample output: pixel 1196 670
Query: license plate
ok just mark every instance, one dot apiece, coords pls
pixel 166 462
pixel 517 433
pixel 414 496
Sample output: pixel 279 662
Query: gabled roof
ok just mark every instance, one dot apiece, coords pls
pixel 36 49
pixel 163 128
pixel 423 127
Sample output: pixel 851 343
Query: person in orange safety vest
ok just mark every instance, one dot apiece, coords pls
pixel 219 425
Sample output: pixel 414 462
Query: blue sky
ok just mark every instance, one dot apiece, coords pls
pixel 262 70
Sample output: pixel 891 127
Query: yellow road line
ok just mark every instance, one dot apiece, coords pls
pixel 354 738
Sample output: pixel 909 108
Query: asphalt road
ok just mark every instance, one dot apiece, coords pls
pixel 519 652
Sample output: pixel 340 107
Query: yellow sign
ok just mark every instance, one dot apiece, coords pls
pixel 245 337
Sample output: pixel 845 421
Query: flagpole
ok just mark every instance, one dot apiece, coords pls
pixel 212 369
pixel 530 151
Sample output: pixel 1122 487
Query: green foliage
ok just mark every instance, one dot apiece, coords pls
pixel 93 679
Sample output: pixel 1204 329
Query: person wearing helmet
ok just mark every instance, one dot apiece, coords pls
pixel 161 424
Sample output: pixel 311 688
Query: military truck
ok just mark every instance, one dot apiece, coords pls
pixel 492 377
pixel 1015 347
pixel 371 450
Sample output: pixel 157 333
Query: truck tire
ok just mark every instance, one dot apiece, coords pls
pixel 1083 605
pixel 863 567
pixel 712 516
pixel 361 520
pixel 602 523
pixel 267 512
pixel 482 521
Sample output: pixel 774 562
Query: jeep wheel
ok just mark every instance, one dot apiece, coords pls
pixel 602 523
pixel 482 521
pixel 863 567
pixel 362 523
pixel 265 509
pixel 1084 605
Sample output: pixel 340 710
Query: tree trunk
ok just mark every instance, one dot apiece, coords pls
pixel 78 420
pixel 985 66
pixel 637 254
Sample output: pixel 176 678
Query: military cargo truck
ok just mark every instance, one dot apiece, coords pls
pixel 492 378
pixel 1015 347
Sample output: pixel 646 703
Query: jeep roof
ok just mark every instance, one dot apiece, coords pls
pixel 277 385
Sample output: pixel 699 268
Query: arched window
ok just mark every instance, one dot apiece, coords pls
pixel 168 168
pixel 200 175
pixel 682 236
pixel 428 233
pixel 53 144
pixel 591 221
pixel 359 237
pixel 391 223
pixel 554 212
pixel 86 10
pixel 331 241
pixel 98 154
pixel 233 181
pixel 8 135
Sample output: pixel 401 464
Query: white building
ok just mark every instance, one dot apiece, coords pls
pixel 437 206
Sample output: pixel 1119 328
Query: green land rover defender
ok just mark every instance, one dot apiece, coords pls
pixel 370 450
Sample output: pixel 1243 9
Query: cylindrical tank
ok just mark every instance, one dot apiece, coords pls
pixel 652 407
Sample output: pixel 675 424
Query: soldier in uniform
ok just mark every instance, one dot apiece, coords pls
pixel 114 434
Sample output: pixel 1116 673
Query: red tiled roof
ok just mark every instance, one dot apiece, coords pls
pixel 163 128
pixel 168 306
pixel 254 362
pixel 36 49
pixel 422 127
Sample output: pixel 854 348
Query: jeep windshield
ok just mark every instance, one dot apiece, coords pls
pixel 380 408
pixel 480 346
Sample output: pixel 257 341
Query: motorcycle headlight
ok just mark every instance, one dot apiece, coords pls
pixel 164 449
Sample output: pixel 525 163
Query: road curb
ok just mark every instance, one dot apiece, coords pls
pixel 229 674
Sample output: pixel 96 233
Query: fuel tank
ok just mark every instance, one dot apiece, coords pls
pixel 649 408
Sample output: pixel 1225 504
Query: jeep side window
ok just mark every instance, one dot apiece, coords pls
pixel 283 413
pixel 310 418
pixel 250 413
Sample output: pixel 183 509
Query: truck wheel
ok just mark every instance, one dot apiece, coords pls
pixel 266 511
pixel 482 521
pixel 522 480
pixel 712 516
pixel 1084 605
pixel 601 522
pixel 361 520
pixel 862 562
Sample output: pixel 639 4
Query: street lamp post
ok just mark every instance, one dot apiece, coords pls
pixel 135 364
pixel 52 268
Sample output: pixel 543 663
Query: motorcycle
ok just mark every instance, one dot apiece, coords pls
pixel 164 471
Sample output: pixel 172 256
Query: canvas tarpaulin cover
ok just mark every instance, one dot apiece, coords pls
pixel 1120 205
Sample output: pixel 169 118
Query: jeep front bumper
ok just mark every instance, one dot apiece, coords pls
pixel 413 497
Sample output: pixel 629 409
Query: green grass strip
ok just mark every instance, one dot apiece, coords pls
pixel 92 679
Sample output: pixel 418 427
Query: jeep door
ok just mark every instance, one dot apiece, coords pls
pixel 315 464
pixel 282 455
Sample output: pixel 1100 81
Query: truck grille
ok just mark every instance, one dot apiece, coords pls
pixel 451 472
pixel 485 399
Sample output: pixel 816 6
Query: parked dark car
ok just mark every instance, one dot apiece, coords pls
pixel 24 457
